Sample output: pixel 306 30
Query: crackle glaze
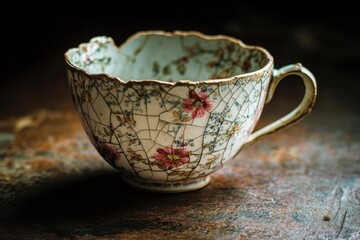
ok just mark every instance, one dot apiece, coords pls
pixel 168 109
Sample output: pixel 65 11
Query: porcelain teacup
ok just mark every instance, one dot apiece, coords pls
pixel 168 109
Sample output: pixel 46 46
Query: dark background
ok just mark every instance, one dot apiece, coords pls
pixel 326 41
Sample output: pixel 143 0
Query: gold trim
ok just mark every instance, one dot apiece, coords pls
pixel 106 76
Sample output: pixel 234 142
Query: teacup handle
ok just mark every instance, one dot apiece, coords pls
pixel 298 113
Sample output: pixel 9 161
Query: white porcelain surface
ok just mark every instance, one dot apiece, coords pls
pixel 169 108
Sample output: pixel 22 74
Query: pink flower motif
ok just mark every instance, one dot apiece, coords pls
pixel 197 103
pixel 109 153
pixel 168 157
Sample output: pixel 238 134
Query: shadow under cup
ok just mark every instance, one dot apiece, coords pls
pixel 168 109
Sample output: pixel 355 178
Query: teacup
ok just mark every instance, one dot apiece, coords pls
pixel 168 109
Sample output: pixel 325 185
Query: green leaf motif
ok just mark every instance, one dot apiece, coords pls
pixel 167 70
pixel 156 68
pixel 181 68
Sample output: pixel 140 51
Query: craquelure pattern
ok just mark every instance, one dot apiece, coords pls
pixel 168 132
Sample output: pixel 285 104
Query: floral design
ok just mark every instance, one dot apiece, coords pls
pixel 180 116
pixel 169 157
pixel 197 103
pixel 110 153
pixel 234 130
pixel 142 126
pixel 86 56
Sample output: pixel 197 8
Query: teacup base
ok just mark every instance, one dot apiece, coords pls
pixel 167 187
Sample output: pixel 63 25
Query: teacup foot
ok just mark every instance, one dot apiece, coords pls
pixel 167 187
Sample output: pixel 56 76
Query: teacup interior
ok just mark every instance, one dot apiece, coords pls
pixel 167 57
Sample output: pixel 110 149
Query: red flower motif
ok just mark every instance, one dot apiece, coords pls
pixel 168 157
pixel 197 103
pixel 109 153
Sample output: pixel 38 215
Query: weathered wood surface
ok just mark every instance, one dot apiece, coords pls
pixel 302 183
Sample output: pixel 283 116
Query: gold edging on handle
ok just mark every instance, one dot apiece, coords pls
pixel 303 109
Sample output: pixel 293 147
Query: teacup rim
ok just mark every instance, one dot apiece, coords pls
pixel 170 34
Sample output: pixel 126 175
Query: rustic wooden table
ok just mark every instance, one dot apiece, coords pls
pixel 300 183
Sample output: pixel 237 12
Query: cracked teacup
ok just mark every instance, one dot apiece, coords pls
pixel 168 109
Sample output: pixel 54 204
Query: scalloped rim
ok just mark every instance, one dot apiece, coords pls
pixel 171 34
